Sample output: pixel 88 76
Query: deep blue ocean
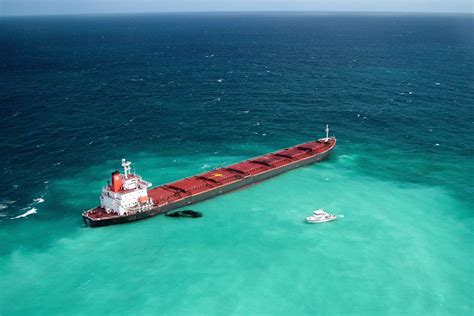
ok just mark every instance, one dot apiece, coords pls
pixel 182 93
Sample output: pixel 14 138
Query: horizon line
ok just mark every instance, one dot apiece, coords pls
pixel 243 11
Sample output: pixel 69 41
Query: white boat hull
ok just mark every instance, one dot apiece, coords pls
pixel 313 220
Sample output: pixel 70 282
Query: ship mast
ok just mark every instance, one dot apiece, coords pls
pixel 327 132
pixel 126 167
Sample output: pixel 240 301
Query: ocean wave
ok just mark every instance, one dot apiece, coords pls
pixel 5 203
pixel 347 157
pixel 29 212
pixel 38 200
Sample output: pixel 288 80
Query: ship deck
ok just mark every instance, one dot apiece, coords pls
pixel 172 192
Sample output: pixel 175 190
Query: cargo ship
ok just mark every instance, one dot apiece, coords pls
pixel 127 197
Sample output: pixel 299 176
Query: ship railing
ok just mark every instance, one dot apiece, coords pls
pixel 139 208
pixel 276 151
pixel 169 184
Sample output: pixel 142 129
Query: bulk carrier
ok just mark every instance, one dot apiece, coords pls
pixel 127 197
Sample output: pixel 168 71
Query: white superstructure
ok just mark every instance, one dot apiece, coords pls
pixel 320 216
pixel 126 194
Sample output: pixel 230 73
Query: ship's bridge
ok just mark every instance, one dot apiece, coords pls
pixel 127 193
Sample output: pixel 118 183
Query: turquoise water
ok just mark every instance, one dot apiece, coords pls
pixel 396 91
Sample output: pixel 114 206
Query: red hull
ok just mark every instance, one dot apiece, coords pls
pixel 219 181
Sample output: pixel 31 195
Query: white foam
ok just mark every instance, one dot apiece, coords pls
pixel 38 200
pixel 5 203
pixel 29 212
pixel 220 80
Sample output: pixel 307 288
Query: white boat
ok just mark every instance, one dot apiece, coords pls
pixel 320 216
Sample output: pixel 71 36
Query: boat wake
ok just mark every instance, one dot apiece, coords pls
pixel 29 212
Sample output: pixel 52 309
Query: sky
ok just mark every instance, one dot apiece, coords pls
pixel 48 7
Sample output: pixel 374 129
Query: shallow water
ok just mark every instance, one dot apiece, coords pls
pixel 182 94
